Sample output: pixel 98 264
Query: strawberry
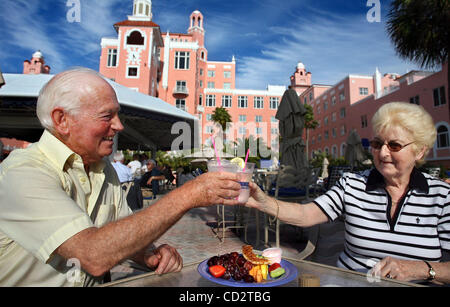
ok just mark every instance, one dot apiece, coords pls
pixel 274 266
pixel 217 270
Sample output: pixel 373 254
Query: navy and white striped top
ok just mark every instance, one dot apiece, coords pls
pixel 419 231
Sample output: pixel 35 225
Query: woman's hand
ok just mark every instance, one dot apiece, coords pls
pixel 257 198
pixel 405 270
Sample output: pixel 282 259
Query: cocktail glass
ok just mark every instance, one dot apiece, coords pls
pixel 245 176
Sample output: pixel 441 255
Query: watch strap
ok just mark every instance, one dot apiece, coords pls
pixel 431 272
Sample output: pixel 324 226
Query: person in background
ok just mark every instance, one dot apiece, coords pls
pixel 123 172
pixel 151 178
pixel 397 219
pixel 135 166
pixel 64 220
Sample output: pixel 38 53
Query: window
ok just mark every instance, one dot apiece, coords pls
pixel 242 118
pixel 182 60
pixel 211 85
pixel 210 100
pixel 333 132
pixel 135 38
pixel 364 91
pixel 258 102
pixel 226 85
pixel 226 101
pixel 333 100
pixel 311 97
pixel 325 135
pixel 181 104
pixel 258 118
pixel 333 117
pixel 133 72
pixel 343 130
pixel 242 101
pixel 273 119
pixel 442 137
pixel 200 99
pixel 211 73
pixel 342 113
pixel 325 106
pixel 112 58
pixel 341 96
pixel 209 129
pixel 439 96
pixel 201 71
pixel 242 130
pixel 274 101
pixel 414 100
pixel 181 87
pixel 364 121
pixel 258 130
pixel 325 121
pixel 227 74
pixel 209 117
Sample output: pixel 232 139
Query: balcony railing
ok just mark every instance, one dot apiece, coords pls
pixel 183 90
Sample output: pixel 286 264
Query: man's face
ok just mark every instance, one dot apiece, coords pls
pixel 92 130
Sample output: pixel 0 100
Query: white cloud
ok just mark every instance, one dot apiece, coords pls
pixel 331 47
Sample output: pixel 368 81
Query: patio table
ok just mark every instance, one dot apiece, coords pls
pixel 329 277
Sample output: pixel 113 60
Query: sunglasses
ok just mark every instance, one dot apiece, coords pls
pixel 391 145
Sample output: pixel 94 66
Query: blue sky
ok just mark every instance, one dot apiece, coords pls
pixel 333 38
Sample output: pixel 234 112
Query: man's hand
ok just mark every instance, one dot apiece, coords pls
pixel 164 259
pixel 212 188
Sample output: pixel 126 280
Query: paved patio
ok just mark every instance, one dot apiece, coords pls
pixel 195 239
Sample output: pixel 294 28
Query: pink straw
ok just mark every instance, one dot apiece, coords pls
pixel 246 158
pixel 215 150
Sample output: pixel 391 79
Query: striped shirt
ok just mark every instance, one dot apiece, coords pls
pixel 420 230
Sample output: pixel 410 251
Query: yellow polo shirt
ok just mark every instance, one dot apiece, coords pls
pixel 46 197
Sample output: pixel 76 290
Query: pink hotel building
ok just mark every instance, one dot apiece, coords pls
pixel 175 68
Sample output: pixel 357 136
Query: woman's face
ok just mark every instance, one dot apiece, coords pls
pixel 395 164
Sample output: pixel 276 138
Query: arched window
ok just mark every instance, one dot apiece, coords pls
pixel 442 137
pixel 135 38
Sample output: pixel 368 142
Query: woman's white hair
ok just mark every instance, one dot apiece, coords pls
pixel 410 117
pixel 64 90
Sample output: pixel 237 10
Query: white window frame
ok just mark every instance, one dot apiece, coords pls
pixel 242 102
pixel 258 102
pixel 112 57
pixel 179 55
pixel 226 101
pixel 210 100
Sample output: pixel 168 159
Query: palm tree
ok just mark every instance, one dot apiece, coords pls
pixel 221 117
pixel 419 30
pixel 310 123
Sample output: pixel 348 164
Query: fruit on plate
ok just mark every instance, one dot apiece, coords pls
pixel 274 266
pixel 277 272
pixel 217 270
pixel 248 267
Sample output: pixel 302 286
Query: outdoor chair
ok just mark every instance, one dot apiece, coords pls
pixel 290 177
pixel 336 173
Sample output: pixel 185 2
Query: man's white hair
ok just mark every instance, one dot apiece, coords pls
pixel 64 90
pixel 118 156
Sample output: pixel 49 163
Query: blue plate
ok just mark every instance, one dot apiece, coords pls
pixel 291 274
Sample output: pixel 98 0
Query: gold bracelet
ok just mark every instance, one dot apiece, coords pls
pixel 278 211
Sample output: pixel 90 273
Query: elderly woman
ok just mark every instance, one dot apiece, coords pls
pixel 397 219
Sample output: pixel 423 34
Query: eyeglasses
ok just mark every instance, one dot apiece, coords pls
pixel 391 145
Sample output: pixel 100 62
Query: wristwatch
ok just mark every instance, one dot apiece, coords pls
pixel 431 272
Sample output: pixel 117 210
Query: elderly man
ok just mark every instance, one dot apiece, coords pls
pixel 123 172
pixel 64 220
